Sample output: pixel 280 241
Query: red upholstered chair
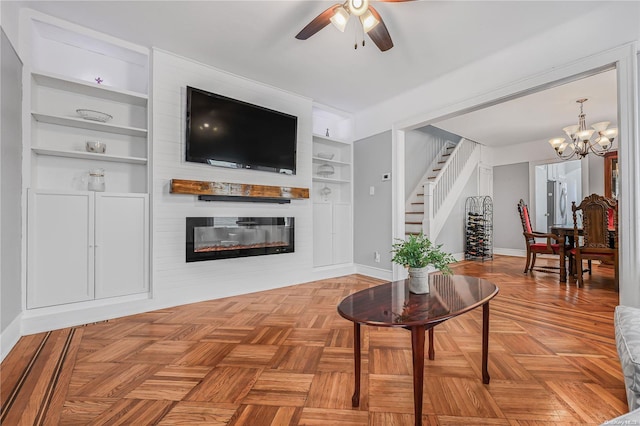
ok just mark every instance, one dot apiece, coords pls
pixel 551 244
pixel 599 216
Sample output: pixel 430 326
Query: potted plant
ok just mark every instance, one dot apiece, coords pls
pixel 421 256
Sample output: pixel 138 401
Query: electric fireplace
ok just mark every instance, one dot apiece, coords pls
pixel 210 238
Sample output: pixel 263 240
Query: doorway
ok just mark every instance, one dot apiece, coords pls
pixel 556 185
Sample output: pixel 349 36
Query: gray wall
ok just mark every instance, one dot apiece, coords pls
pixel 510 184
pixel 452 237
pixel 372 213
pixel 10 182
pixel 421 146
pixel 416 158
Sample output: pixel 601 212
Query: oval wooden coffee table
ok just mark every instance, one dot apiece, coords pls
pixel 392 305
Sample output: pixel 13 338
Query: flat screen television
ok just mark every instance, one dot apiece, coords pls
pixel 230 133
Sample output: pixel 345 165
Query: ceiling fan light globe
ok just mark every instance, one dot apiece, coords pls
pixel 368 21
pixel 340 18
pixel 601 126
pixel 358 7
pixel 610 133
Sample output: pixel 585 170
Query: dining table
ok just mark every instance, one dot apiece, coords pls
pixel 566 235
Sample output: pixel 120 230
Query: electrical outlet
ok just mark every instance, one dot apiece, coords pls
pixel 386 176
pixel 376 257
pixel 372 190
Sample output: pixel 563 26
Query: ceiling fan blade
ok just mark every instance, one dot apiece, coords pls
pixel 379 34
pixel 318 23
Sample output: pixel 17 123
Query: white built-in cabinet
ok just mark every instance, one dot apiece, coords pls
pixel 332 231
pixel 332 187
pixel 84 245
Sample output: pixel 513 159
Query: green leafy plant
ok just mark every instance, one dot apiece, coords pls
pixel 418 251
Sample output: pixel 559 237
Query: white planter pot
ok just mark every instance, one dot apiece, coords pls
pixel 419 279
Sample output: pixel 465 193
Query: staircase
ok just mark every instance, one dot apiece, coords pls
pixel 433 199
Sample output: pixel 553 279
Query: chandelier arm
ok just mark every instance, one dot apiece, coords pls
pixel 595 148
pixel 564 155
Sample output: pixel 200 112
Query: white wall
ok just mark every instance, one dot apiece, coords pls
pixel 10 194
pixel 549 49
pixel 453 235
pixel 174 280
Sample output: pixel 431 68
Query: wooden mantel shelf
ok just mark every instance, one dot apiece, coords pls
pixel 229 191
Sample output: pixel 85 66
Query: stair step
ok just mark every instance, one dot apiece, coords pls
pixel 441 162
pixel 446 155
pixel 431 177
pixel 436 170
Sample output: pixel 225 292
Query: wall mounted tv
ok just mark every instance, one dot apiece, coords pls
pixel 230 133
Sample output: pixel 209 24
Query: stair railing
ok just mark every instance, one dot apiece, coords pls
pixel 437 190
pixel 439 148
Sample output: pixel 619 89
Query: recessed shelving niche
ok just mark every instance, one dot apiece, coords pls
pixel 100 74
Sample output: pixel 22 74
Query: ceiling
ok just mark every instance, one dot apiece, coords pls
pixel 539 116
pixel 256 39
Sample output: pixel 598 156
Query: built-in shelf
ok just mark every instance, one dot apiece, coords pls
pixel 56 81
pixel 327 139
pixel 334 162
pixel 88 155
pixel 236 191
pixel 89 125
pixel 329 180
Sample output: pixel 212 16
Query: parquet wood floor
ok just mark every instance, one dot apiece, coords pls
pixel 284 357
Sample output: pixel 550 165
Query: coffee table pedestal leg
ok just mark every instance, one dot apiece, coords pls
pixel 417 349
pixel 485 343
pixel 355 399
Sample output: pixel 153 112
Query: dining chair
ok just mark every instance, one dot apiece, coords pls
pixel 550 246
pixel 599 233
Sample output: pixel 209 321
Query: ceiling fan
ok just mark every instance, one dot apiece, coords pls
pixel 339 14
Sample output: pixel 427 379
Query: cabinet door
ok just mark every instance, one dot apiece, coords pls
pixel 342 233
pixel 322 234
pixel 60 248
pixel 122 244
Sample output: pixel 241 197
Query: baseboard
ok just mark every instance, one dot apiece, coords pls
pixel 458 256
pixel 383 274
pixel 46 319
pixel 510 252
pixel 10 336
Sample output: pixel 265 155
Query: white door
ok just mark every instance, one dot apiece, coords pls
pixel 60 248
pixel 342 240
pixel 122 235
pixel 322 234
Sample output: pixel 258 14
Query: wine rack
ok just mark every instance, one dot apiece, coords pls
pixel 479 228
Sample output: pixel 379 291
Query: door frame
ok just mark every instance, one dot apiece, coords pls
pixel 625 60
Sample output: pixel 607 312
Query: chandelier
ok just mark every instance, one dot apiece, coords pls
pixel 580 138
